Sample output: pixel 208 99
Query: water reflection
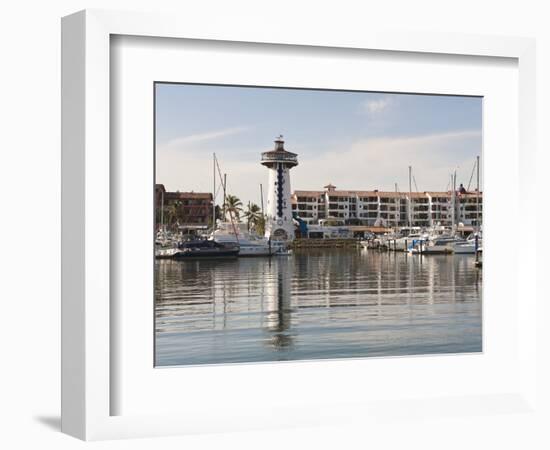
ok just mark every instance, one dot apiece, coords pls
pixel 278 314
pixel 316 304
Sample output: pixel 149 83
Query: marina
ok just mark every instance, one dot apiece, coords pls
pixel 419 223
pixel 271 284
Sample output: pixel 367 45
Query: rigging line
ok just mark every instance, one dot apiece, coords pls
pixel 219 171
pixel 415 186
pixel 223 185
pixel 224 200
pixel 472 175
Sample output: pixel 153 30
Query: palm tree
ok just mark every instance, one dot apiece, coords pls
pixel 259 226
pixel 252 214
pixel 172 213
pixel 233 206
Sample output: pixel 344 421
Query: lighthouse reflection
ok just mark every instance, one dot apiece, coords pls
pixel 278 313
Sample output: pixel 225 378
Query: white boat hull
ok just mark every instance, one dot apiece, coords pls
pixel 465 249
pixel 169 252
pixel 250 244
pixel 255 250
pixel 432 250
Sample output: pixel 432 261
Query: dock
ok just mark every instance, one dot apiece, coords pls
pixel 325 243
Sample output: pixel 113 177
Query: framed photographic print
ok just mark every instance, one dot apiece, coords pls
pixel 269 230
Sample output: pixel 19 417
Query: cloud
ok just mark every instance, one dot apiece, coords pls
pixel 373 107
pixel 379 163
pixel 185 163
pixel 183 142
pixel 372 163
pixel 192 170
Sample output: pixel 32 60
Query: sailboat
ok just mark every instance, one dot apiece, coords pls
pixel 249 243
pixel 230 232
pixel 474 243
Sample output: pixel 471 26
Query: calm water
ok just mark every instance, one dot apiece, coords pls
pixel 316 304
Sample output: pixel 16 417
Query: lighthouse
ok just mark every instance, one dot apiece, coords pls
pixel 279 225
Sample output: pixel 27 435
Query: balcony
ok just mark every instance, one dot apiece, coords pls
pixel 277 156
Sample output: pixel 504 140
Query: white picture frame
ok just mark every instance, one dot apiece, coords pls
pixel 87 326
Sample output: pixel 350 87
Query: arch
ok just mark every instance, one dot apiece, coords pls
pixel 279 235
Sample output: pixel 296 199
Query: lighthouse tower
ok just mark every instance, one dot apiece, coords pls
pixel 279 225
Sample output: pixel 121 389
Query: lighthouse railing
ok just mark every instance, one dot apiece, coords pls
pixel 268 157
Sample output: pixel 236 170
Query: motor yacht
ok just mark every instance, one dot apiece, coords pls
pixel 438 245
pixel 202 248
pixel 468 246
pixel 249 243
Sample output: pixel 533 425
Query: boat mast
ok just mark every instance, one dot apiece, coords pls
pixel 410 196
pixel 162 211
pixel 214 193
pixel 224 185
pixel 230 211
pixel 262 198
pixel 224 194
pixel 248 218
pixel 456 207
pixel 233 226
pixel 477 197
pixel 458 203
pixel 453 202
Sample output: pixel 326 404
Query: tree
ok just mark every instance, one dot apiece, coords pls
pixel 252 214
pixel 259 226
pixel 233 206
pixel 218 215
pixel 172 213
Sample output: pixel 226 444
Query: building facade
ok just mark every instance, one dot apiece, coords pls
pixel 470 208
pixel 182 209
pixel 388 209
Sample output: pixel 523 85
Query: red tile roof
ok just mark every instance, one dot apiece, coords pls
pixel 188 195
pixel 308 193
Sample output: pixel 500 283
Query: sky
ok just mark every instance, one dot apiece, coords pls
pixel 354 140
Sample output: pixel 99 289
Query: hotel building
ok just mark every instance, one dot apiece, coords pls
pixel 389 209
pixel 189 208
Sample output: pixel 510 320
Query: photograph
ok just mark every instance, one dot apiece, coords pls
pixel 299 224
